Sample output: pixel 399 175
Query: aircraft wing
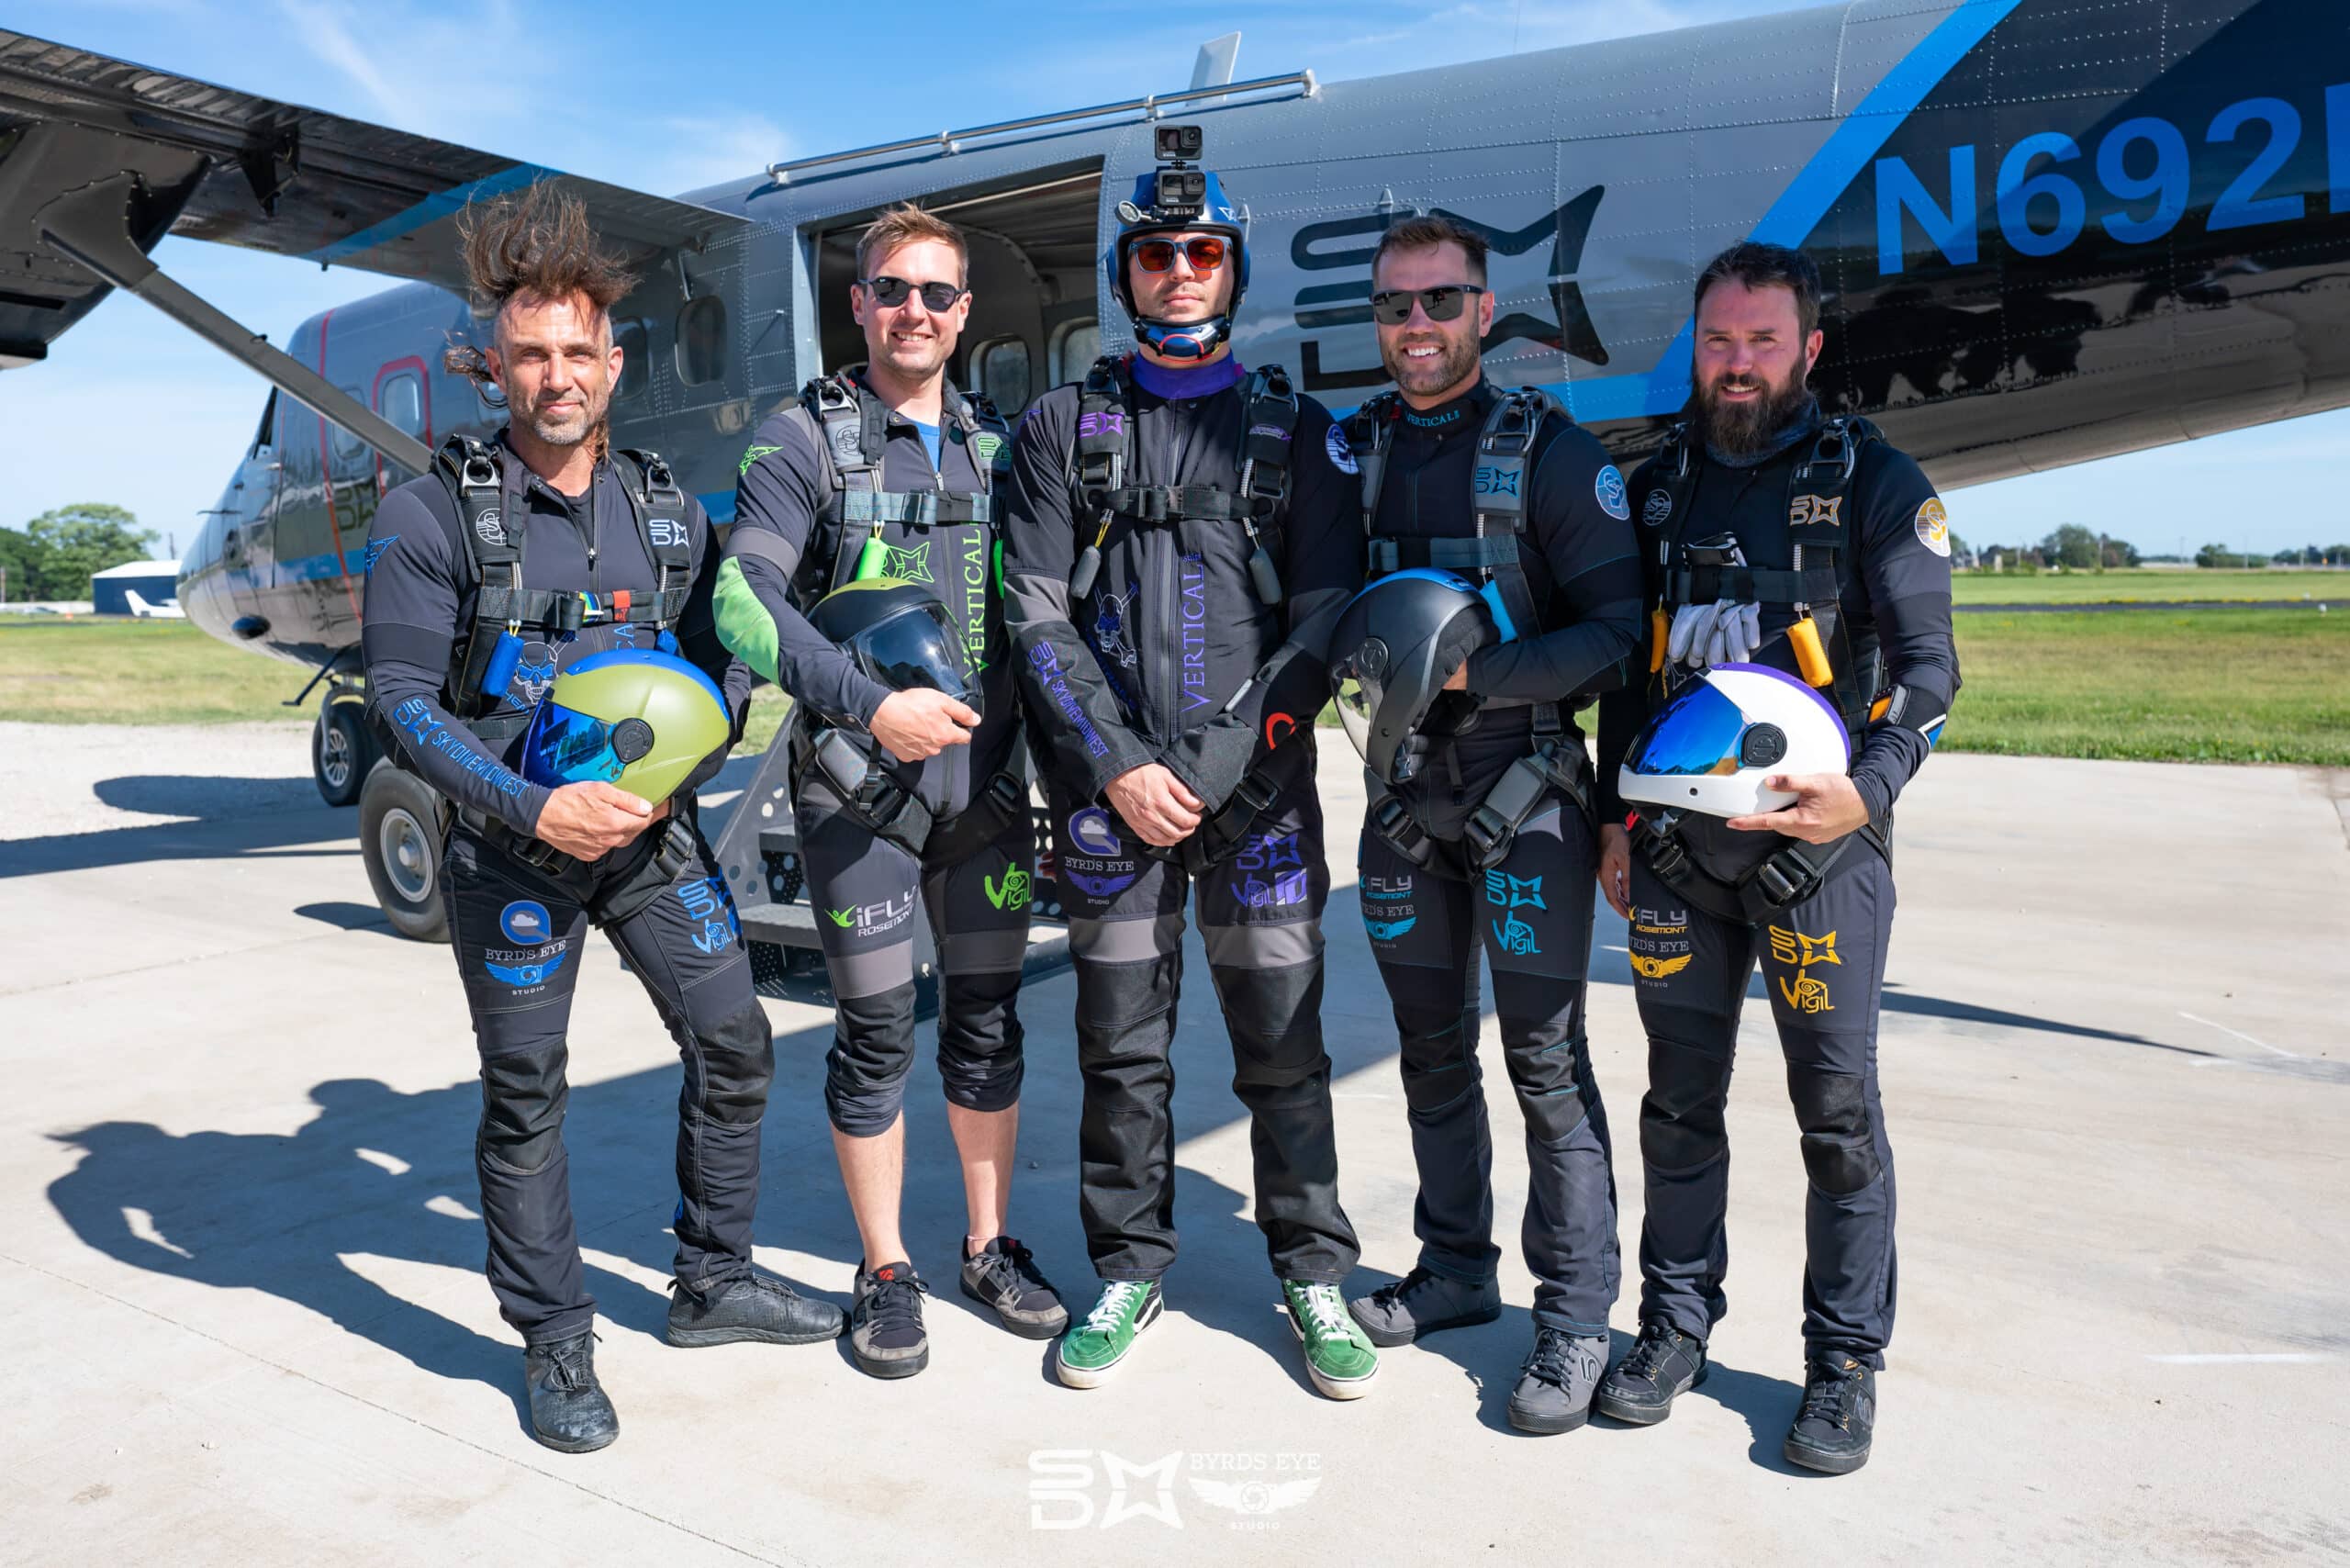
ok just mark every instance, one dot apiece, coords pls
pixel 213 163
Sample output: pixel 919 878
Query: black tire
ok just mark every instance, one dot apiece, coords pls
pixel 341 751
pixel 400 838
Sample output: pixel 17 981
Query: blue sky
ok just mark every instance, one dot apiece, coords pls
pixel 132 409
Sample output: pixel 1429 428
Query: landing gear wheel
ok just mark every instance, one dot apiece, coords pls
pixel 400 838
pixel 341 751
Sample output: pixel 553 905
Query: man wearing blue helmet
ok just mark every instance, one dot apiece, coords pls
pixel 1774 537
pixel 1180 535
pixel 512 563
pixel 1483 840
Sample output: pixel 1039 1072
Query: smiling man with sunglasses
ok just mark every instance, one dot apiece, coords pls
pixel 1181 534
pixel 903 798
pixel 1488 842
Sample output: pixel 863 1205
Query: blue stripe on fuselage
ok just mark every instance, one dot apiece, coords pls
pixel 1806 200
pixel 431 209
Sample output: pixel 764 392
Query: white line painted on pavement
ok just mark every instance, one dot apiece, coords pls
pixel 391 1162
pixel 2239 1033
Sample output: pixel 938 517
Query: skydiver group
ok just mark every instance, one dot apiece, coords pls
pixel 1144 595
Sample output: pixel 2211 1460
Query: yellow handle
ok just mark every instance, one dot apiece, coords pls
pixel 1810 658
pixel 1659 633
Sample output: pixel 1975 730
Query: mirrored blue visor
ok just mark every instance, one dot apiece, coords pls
pixel 1697 732
pixel 568 747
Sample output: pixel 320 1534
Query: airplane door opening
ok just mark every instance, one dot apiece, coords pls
pixel 1033 323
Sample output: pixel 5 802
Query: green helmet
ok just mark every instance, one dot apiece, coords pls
pixel 635 718
pixel 898 635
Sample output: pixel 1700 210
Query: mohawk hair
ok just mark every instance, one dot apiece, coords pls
pixel 537 243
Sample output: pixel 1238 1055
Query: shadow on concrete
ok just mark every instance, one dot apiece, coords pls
pixel 347 916
pixel 329 830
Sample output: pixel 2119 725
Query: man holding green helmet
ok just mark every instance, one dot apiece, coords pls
pixel 539 649
pixel 861 577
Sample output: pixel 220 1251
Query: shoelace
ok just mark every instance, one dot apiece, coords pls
pixel 895 1303
pixel 1652 1346
pixel 1014 1261
pixel 1118 1298
pixel 569 1366
pixel 1328 1311
pixel 1387 1296
pixel 1828 1396
pixel 1554 1358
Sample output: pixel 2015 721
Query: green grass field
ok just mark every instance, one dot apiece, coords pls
pixel 2148 585
pixel 2184 686
pixel 86 671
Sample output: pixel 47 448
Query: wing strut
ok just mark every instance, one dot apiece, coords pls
pixel 91 227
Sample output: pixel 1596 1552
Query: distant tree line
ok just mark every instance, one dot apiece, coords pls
pixel 55 554
pixel 2078 549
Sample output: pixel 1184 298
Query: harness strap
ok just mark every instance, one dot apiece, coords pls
pixel 914 509
pixel 1559 764
pixel 1790 874
pixel 1216 838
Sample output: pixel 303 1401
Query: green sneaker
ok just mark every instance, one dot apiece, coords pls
pixel 1094 1349
pixel 1339 1355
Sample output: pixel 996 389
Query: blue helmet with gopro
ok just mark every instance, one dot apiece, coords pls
pixel 1179 197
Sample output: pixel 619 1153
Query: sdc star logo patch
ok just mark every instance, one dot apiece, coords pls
pixel 1609 487
pixel 1933 526
pixel 1342 456
pixel 1657 511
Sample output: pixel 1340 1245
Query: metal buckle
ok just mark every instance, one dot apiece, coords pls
pixel 477 474
pixel 1488 833
pixel 1255 793
pixel 1781 889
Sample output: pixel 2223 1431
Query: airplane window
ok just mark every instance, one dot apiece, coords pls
pixel 1002 367
pixel 1076 345
pixel 701 340
pixel 348 448
pixel 401 400
pixel 634 340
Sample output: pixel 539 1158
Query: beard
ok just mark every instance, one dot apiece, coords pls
pixel 1455 361
pixel 570 427
pixel 1745 429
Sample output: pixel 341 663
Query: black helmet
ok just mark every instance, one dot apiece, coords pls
pixel 1396 644
pixel 898 634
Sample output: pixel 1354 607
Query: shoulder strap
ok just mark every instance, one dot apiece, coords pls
pixel 658 504
pixel 1817 488
pixel 474 476
pixel 1268 415
pixel 1105 417
pixel 1497 483
pixel 1369 431
pixel 986 436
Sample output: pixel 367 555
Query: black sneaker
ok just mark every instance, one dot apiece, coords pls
pixel 1661 1366
pixel 1555 1386
pixel 1839 1416
pixel 569 1410
pixel 1003 1276
pixel 758 1308
pixel 1422 1303
pixel 885 1330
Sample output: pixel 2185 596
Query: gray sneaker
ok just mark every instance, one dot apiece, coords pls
pixel 1421 1303
pixel 1555 1386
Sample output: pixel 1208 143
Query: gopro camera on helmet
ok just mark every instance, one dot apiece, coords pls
pixel 1181 191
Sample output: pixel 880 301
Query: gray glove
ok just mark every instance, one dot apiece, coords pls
pixel 1724 631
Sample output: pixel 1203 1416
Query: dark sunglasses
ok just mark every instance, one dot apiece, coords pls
pixel 1392 306
pixel 1205 253
pixel 892 292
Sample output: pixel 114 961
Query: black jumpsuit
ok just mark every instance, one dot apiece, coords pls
pixel 518 931
pixel 863 888
pixel 1531 913
pixel 1172 658
pixel 1822 958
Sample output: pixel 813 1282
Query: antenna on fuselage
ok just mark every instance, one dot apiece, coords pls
pixel 1214 68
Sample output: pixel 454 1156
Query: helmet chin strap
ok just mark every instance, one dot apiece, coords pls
pixel 1183 340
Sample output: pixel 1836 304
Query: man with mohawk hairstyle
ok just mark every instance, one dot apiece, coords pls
pixel 510 560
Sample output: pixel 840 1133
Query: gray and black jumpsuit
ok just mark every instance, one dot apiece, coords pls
pixel 863 888
pixel 1823 957
pixel 518 931
pixel 1531 912
pixel 1173 658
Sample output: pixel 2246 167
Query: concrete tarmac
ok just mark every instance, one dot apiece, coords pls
pixel 241 1266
